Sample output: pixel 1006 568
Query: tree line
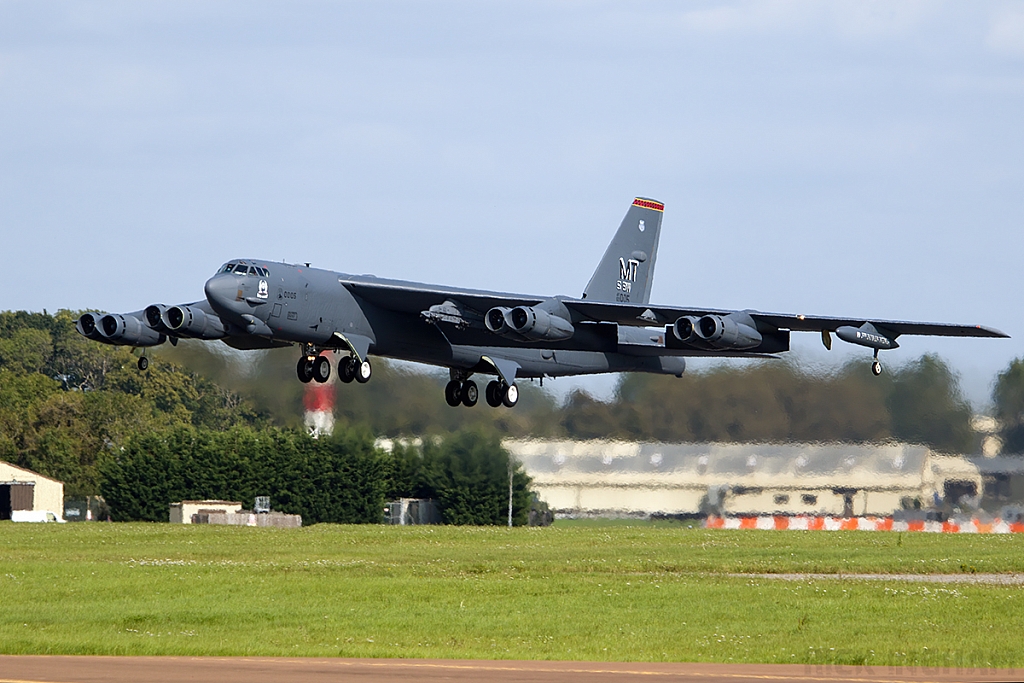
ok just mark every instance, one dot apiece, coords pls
pixel 343 478
pixel 68 404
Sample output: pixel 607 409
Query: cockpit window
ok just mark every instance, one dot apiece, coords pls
pixel 263 271
pixel 227 268
pixel 241 269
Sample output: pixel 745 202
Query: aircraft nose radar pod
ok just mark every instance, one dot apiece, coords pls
pixel 612 327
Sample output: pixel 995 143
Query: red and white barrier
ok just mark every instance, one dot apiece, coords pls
pixel 806 523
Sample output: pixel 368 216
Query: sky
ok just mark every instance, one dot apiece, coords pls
pixel 860 159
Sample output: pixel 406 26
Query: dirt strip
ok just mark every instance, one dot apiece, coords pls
pixel 42 669
pixel 990 579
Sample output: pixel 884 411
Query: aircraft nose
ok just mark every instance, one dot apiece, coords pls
pixel 221 290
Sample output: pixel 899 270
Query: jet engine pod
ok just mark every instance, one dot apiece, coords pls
pixel 188 321
pixel 536 324
pixel 127 330
pixel 155 317
pixel 87 326
pixel 685 328
pixel 496 320
pixel 734 331
pixel 866 335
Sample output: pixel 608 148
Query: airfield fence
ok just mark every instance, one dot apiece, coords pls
pixel 812 523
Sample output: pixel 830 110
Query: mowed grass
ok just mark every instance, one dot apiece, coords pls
pixel 618 592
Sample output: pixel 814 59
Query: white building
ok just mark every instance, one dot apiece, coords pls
pixel 610 477
pixel 181 513
pixel 22 489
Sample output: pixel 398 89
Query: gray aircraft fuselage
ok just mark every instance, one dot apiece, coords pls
pixel 308 305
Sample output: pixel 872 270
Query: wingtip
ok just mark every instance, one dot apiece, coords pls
pixel 993 332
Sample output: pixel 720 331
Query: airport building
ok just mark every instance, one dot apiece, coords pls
pixel 582 478
pixel 22 489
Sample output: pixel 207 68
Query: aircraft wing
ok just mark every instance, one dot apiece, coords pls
pixel 414 298
pixel 810 323
pixel 642 315
pixel 410 297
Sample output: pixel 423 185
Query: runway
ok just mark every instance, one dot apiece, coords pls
pixel 45 669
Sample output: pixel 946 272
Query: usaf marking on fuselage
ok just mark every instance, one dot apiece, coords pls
pixel 254 304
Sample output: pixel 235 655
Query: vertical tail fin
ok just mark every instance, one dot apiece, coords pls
pixel 626 272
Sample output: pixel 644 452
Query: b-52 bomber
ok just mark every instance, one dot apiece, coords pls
pixel 612 327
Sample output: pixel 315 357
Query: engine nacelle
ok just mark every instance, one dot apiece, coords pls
pixel 87 326
pixel 125 330
pixel 733 331
pixel 186 321
pixel 685 329
pixel 537 324
pixel 154 316
pixel 495 320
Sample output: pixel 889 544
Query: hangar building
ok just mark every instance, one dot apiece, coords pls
pixel 22 489
pixel 609 477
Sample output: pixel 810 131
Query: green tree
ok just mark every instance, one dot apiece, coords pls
pixel 468 474
pixel 338 479
pixel 26 351
pixel 1008 395
pixel 928 407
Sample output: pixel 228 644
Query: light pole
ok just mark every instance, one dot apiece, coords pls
pixel 511 472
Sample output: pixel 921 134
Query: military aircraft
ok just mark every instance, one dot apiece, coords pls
pixel 612 327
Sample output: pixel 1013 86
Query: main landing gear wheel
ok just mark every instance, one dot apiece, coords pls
pixel 347 369
pixel 493 393
pixel 511 396
pixel 453 393
pixel 304 369
pixel 470 394
pixel 321 369
pixel 363 371
pixel 143 363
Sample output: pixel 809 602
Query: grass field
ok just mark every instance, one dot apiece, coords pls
pixel 585 592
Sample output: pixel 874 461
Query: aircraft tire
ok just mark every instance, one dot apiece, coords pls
pixel 321 369
pixel 304 370
pixel 363 371
pixel 453 393
pixel 470 393
pixel 143 363
pixel 347 369
pixel 511 396
pixel 493 393
pixel 876 368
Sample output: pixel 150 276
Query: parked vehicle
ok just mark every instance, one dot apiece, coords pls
pixel 35 516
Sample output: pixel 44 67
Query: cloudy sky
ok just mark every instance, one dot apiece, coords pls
pixel 846 158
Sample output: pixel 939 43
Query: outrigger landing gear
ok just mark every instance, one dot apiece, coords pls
pixel 876 366
pixel 143 363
